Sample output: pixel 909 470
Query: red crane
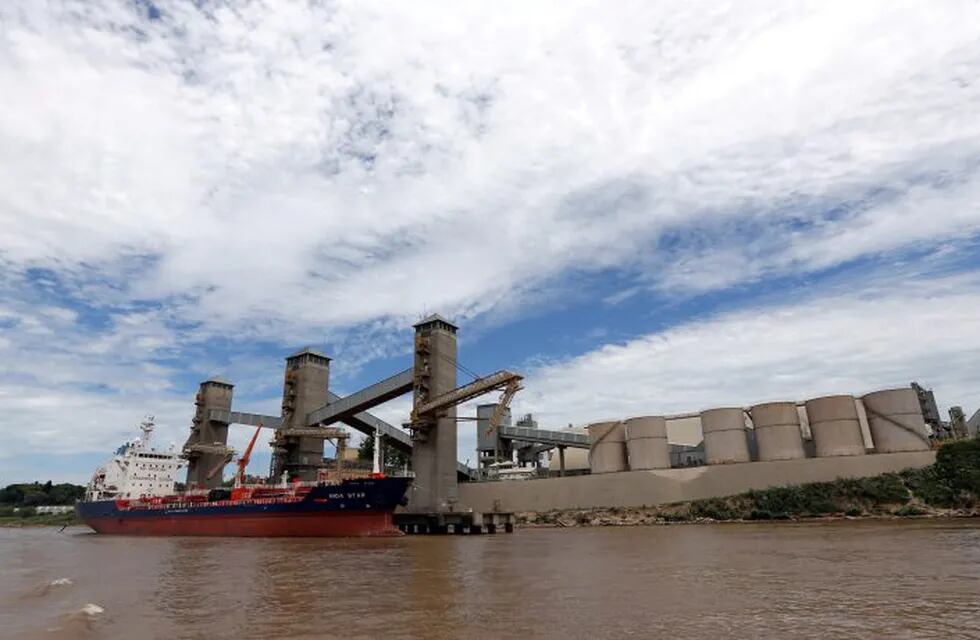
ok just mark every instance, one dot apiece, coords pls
pixel 243 460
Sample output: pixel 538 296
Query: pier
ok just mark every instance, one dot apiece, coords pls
pixel 455 523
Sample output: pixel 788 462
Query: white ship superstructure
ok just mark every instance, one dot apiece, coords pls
pixel 136 470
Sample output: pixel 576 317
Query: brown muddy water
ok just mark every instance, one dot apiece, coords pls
pixel 906 579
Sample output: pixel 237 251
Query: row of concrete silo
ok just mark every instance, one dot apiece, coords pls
pixel 894 419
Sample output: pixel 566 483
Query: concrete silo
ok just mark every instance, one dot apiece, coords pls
pixel 777 431
pixel 896 421
pixel 607 447
pixel 575 459
pixel 724 436
pixel 646 443
pixel 835 426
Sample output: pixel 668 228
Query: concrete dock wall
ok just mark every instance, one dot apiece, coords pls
pixel 663 486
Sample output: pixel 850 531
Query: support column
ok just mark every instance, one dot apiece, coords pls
pixel 561 462
pixel 305 385
pixel 434 445
pixel 206 447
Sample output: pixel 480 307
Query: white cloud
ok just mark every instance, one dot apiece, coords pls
pixel 288 167
pixel 60 421
pixel 69 388
pixel 926 216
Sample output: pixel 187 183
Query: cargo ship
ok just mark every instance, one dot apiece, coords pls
pixel 134 494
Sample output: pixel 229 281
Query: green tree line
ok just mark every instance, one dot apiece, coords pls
pixel 36 494
pixel 953 482
pixel 394 460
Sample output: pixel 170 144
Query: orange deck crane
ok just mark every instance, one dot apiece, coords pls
pixel 243 460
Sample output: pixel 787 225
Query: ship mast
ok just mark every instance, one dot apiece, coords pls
pixel 147 428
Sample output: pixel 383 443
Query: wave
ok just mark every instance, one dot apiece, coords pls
pixel 44 589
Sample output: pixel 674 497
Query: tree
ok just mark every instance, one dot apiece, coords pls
pixel 393 458
pixel 366 449
pixel 12 494
pixel 34 498
pixel 36 493
pixel 959 464
pixel 66 493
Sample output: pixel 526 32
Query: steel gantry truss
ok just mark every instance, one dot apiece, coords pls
pixel 544 436
pixel 372 396
pixel 426 412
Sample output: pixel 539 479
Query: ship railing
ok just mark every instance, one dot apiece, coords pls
pixel 216 503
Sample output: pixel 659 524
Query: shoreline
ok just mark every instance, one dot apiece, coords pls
pixel 43 520
pixel 623 517
pixel 600 518
pixel 594 518
pixel 949 488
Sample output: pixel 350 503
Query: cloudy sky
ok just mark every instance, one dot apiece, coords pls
pixel 643 207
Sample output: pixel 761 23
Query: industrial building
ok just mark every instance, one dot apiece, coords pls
pixel 633 461
pixel 310 411
pixel 882 422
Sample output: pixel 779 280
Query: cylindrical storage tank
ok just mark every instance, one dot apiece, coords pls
pixel 575 459
pixel 896 421
pixel 607 447
pixel 777 431
pixel 724 436
pixel 835 426
pixel 646 443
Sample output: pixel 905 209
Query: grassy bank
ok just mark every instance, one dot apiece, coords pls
pixel 38 520
pixel 950 487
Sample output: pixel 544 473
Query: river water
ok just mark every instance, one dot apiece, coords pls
pixel 906 579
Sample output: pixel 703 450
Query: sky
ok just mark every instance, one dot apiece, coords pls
pixel 642 207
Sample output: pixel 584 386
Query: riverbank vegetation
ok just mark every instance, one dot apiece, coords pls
pixel 19 503
pixel 35 494
pixel 950 487
pixel 29 517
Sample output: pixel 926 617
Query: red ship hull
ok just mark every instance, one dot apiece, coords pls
pixel 359 507
pixel 299 525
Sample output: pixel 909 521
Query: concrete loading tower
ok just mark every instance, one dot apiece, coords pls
pixel 206 448
pixel 304 389
pixel 777 431
pixel 491 448
pixel 434 442
pixel 835 426
pixel 724 436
